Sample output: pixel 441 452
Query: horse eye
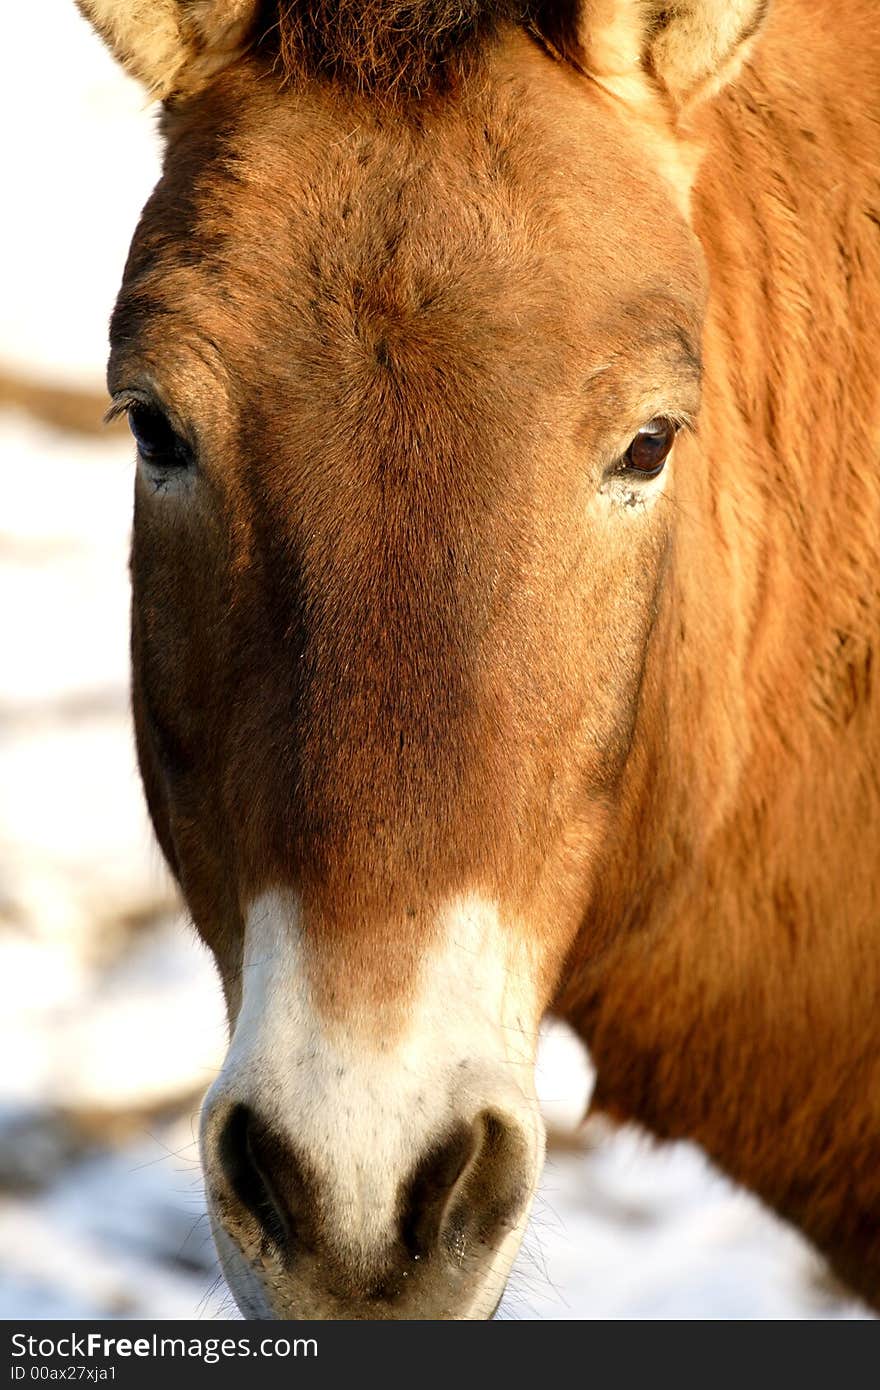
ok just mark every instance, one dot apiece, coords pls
pixel 649 450
pixel 156 439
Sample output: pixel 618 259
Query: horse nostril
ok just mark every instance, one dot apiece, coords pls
pixel 493 1190
pixel 427 1193
pixel 469 1189
pixel 263 1172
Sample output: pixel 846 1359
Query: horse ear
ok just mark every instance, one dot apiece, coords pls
pixel 689 48
pixel 172 46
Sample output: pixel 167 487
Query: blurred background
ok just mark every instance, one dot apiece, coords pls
pixel 111 1023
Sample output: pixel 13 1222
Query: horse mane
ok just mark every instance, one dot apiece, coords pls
pixel 399 47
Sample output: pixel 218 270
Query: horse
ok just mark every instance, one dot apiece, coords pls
pixel 505 605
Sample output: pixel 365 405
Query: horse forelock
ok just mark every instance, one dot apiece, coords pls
pixel 397 47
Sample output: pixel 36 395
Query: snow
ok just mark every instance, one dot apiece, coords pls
pixel 111 1020
pixel 73 189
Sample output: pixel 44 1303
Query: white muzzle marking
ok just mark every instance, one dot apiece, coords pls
pixel 361 1109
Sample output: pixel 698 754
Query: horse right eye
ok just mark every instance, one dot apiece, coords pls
pixel 157 441
pixel 649 449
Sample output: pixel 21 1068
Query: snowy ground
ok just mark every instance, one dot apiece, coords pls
pixel 110 1018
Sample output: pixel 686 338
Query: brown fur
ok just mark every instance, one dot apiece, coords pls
pixel 392 648
pixel 753 947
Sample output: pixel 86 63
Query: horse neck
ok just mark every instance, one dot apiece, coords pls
pixel 738 1005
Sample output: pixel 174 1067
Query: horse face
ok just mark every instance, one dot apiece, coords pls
pixel 404 383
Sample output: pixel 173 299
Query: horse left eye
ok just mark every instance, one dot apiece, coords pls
pixel 650 448
pixel 157 440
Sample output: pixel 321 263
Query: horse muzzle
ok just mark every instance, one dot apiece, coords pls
pixel 291 1249
pixel 355 1172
